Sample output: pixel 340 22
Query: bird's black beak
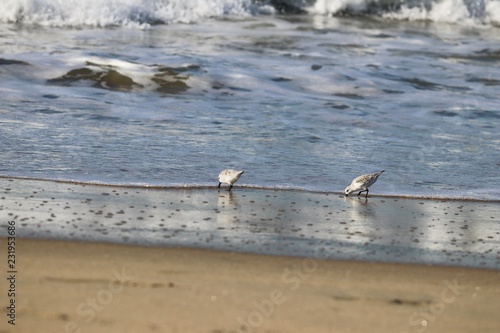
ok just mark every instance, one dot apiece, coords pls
pixel 346 195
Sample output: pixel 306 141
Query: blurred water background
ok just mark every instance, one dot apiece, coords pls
pixel 299 94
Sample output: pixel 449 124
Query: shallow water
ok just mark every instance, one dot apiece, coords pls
pixel 297 101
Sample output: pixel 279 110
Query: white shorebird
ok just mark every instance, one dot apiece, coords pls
pixel 362 183
pixel 230 177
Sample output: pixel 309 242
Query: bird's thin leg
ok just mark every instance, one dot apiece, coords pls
pixel 219 184
pixel 366 196
pixel 360 193
pixel 230 187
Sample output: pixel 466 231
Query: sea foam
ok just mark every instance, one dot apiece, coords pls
pixel 102 13
pixel 144 13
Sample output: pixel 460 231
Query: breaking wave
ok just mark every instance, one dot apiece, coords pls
pixel 144 13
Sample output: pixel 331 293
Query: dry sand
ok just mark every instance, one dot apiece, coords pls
pixel 87 287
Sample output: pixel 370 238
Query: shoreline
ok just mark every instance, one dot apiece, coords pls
pixel 69 286
pixel 241 186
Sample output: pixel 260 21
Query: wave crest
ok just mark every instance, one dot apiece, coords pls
pixel 104 13
pixel 144 13
pixel 449 11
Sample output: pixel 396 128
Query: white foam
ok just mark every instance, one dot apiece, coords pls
pixel 335 6
pixel 142 13
pixel 492 12
pixel 447 11
pixel 101 13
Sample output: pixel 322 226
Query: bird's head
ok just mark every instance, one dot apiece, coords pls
pixel 347 190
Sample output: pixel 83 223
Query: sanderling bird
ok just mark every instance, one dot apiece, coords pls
pixel 230 177
pixel 362 183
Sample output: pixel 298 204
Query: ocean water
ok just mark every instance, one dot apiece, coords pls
pixel 304 94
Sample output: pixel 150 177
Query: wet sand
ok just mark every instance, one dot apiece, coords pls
pixel 94 287
pixel 263 221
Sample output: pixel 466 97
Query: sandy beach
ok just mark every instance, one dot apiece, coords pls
pixel 84 287
pixel 113 259
pixel 118 116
